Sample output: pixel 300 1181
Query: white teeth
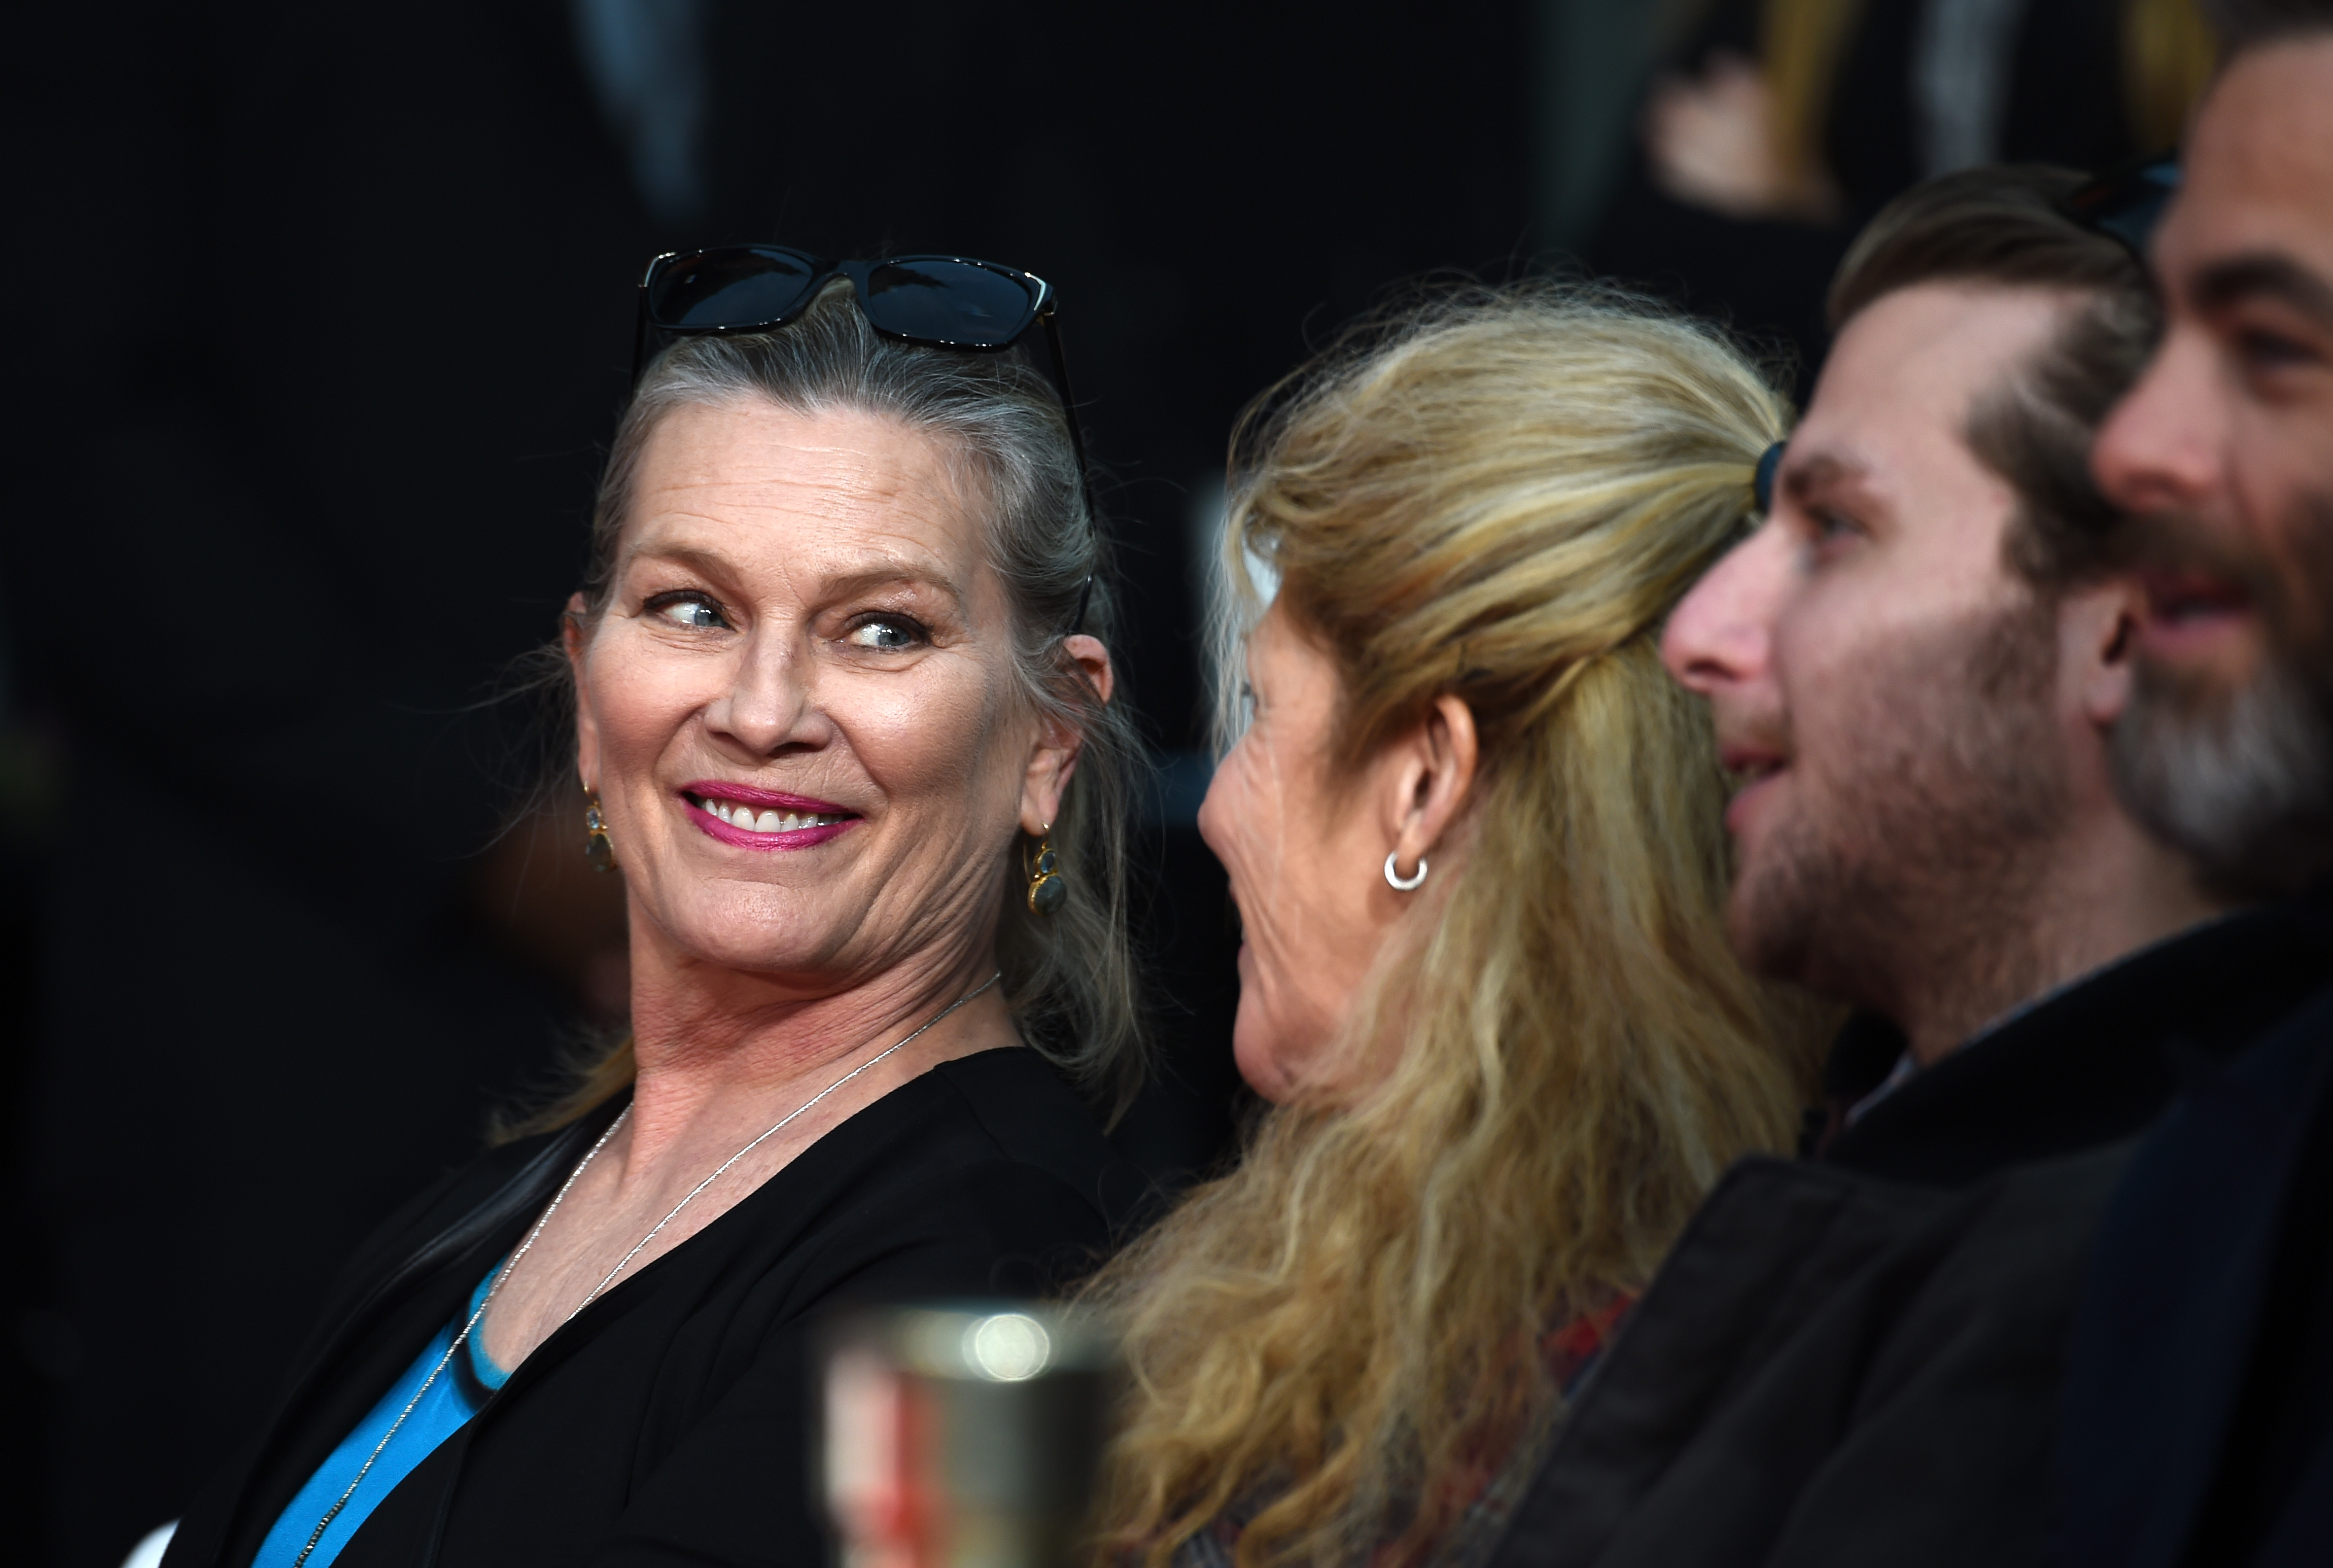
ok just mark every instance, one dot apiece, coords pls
pixel 770 822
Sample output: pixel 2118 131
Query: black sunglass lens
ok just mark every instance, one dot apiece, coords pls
pixel 729 288
pixel 935 301
pixel 2130 206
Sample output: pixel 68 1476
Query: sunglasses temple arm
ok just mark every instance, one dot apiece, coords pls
pixel 639 336
pixel 1077 447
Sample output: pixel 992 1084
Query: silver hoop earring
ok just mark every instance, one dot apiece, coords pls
pixel 1416 878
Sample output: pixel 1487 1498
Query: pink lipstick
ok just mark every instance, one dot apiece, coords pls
pixel 759 818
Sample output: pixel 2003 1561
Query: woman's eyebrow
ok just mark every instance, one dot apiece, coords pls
pixel 882 573
pixel 711 563
pixel 890 574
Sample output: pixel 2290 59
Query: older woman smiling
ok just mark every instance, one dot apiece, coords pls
pixel 865 792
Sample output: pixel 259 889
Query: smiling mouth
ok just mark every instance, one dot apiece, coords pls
pixel 2178 598
pixel 1750 769
pixel 746 819
pixel 779 822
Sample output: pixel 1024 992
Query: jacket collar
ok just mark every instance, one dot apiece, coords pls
pixel 2079 1067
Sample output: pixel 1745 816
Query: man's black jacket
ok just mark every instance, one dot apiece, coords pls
pixel 1854 1358
pixel 2196 1424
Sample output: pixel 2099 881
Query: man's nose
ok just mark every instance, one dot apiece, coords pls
pixel 2159 449
pixel 1720 631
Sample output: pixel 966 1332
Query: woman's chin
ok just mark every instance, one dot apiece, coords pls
pixel 1253 1054
pixel 734 925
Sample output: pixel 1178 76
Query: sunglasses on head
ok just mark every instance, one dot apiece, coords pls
pixel 2126 202
pixel 937 301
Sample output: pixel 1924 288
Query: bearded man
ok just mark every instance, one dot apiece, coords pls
pixel 2198 1408
pixel 1919 664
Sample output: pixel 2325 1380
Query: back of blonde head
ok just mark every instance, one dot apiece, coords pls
pixel 1501 498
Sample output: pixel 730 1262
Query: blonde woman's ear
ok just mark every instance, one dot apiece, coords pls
pixel 1434 779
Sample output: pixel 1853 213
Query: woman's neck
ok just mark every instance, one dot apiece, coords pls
pixel 724 1053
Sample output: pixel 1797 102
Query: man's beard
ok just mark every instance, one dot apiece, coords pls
pixel 1911 866
pixel 2239 778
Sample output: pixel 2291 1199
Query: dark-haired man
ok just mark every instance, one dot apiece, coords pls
pixel 1918 663
pixel 2198 1411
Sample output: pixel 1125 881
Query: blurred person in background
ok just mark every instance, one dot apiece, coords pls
pixel 1785 125
pixel 1473 837
pixel 1918 666
pixel 2199 1399
pixel 844 732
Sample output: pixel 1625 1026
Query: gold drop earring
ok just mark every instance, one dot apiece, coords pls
pixel 597 849
pixel 1047 890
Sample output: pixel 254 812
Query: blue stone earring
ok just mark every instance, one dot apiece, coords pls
pixel 596 847
pixel 1047 890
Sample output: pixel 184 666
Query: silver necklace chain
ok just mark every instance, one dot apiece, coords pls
pixel 503 1273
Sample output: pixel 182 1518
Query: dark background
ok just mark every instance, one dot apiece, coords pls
pixel 318 315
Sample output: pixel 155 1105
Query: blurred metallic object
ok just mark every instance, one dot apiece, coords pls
pixel 962 1436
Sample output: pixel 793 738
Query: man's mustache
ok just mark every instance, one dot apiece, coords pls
pixel 2180 543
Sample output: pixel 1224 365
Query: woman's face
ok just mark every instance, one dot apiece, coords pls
pixel 798 708
pixel 1306 865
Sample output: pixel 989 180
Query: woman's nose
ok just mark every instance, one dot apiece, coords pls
pixel 768 698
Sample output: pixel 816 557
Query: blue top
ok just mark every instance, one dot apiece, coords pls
pixel 456 1395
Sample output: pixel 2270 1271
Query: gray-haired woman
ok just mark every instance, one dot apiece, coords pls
pixel 842 706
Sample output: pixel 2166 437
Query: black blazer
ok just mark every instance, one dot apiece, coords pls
pixel 665 1422
pixel 2197 1416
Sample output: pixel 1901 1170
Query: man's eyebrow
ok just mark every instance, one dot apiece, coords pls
pixel 1819 471
pixel 2263 275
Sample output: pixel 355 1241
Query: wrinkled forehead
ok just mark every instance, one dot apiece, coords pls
pixel 751 473
pixel 2259 167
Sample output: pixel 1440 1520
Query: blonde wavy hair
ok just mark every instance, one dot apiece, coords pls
pixel 1501 496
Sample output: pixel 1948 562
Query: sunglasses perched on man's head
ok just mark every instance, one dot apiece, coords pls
pixel 937 301
pixel 2125 203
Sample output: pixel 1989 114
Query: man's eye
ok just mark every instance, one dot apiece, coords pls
pixel 884 633
pixel 2270 351
pixel 692 611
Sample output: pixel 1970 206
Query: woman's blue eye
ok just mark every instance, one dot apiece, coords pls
pixel 692 612
pixel 887 636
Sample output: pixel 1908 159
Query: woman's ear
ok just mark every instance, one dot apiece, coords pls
pixel 587 729
pixel 2101 623
pixel 1433 775
pixel 1055 757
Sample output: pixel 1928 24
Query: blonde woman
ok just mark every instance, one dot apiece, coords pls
pixel 1474 835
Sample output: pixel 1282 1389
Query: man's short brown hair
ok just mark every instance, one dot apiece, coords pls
pixel 2242 25
pixel 2002 226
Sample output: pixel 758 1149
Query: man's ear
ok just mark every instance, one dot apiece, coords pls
pixel 1055 757
pixel 1433 775
pixel 2100 624
pixel 586 729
